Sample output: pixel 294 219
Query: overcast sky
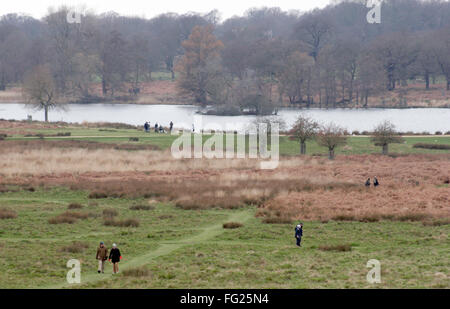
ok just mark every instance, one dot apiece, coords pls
pixel 150 8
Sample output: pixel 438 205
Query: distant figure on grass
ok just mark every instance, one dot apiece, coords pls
pixel 375 182
pixel 171 126
pixel 368 182
pixel 161 129
pixel 115 257
pixel 102 256
pixel 299 233
pixel 147 126
pixel 156 127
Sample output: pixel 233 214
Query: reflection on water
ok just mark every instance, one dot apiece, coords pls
pixel 415 120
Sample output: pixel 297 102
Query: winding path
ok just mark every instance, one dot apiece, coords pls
pixel 165 248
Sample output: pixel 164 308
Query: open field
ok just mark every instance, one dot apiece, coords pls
pixel 176 210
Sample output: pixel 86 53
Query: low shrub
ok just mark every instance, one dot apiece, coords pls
pixel 438 133
pixel 344 218
pixel 136 272
pixel 75 247
pixel 97 195
pixel 134 139
pixel 121 223
pixel 110 213
pixel 141 207
pixel 61 220
pixel 232 225
pixel 68 217
pixel 339 248
pixel 164 217
pixel 412 217
pixel 432 146
pixel 6 213
pixel 74 206
pixel 277 220
pixel 436 222
pixel 63 134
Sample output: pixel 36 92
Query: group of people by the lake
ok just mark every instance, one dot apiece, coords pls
pixel 375 182
pixel 102 256
pixel 158 128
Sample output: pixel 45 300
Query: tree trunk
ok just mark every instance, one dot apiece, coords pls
pixel 427 81
pixel 385 149
pixel 46 113
pixel 331 154
pixel 302 148
pixel 104 90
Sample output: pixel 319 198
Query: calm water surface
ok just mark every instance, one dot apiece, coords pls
pixel 415 120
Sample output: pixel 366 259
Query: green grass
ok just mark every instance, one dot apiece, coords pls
pixel 356 144
pixel 190 249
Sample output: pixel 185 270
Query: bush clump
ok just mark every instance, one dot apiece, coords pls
pixel 97 195
pixel 74 206
pixel 141 207
pixel 121 223
pixel 110 213
pixel 136 272
pixel 75 247
pixel 232 225
pixel 432 146
pixel 68 217
pixel 6 213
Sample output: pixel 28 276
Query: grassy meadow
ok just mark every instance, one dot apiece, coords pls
pixel 61 195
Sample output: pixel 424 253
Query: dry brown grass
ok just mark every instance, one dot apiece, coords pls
pixel 412 186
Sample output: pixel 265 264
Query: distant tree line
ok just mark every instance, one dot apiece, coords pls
pixel 324 58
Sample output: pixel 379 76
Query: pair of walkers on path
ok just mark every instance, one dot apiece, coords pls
pixel 375 182
pixel 102 256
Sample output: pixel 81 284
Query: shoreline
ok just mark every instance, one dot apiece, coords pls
pixel 279 108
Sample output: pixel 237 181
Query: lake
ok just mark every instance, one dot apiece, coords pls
pixel 184 116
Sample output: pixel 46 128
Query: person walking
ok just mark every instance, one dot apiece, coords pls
pixel 368 182
pixel 171 127
pixel 102 256
pixel 114 258
pixel 375 182
pixel 146 126
pixel 299 233
pixel 156 127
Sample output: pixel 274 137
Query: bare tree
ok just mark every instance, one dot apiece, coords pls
pixel 304 129
pixel 385 134
pixel 331 136
pixel 39 89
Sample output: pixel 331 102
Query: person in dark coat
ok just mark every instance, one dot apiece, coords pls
pixel 299 234
pixel 114 258
pixel 375 182
pixel 368 182
pixel 171 126
pixel 156 128
pixel 146 126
